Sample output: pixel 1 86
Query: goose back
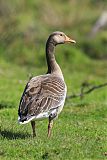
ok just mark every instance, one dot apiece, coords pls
pixel 42 94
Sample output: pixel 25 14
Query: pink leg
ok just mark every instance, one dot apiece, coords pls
pixel 50 127
pixel 33 128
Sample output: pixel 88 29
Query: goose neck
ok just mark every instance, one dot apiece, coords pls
pixel 53 67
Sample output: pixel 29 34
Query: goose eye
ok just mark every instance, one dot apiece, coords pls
pixel 61 35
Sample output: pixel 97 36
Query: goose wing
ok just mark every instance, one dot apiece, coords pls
pixel 41 94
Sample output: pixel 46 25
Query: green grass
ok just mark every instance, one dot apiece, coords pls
pixel 30 22
pixel 80 132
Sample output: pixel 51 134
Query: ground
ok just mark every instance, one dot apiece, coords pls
pixel 80 132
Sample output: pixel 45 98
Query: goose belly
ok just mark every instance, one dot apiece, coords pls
pixel 47 114
pixel 44 115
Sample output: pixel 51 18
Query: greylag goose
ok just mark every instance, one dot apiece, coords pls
pixel 44 95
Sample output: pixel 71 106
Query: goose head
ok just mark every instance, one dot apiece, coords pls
pixel 60 38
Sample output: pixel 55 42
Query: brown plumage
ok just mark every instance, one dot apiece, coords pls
pixel 44 95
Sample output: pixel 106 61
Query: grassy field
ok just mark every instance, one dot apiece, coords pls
pixel 80 132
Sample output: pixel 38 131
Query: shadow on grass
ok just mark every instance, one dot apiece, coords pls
pixel 48 154
pixel 81 104
pixel 6 105
pixel 11 135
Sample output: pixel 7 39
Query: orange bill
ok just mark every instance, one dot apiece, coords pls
pixel 69 40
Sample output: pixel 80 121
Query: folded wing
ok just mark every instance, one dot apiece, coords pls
pixel 41 94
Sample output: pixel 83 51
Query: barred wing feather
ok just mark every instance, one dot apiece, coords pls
pixel 42 94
